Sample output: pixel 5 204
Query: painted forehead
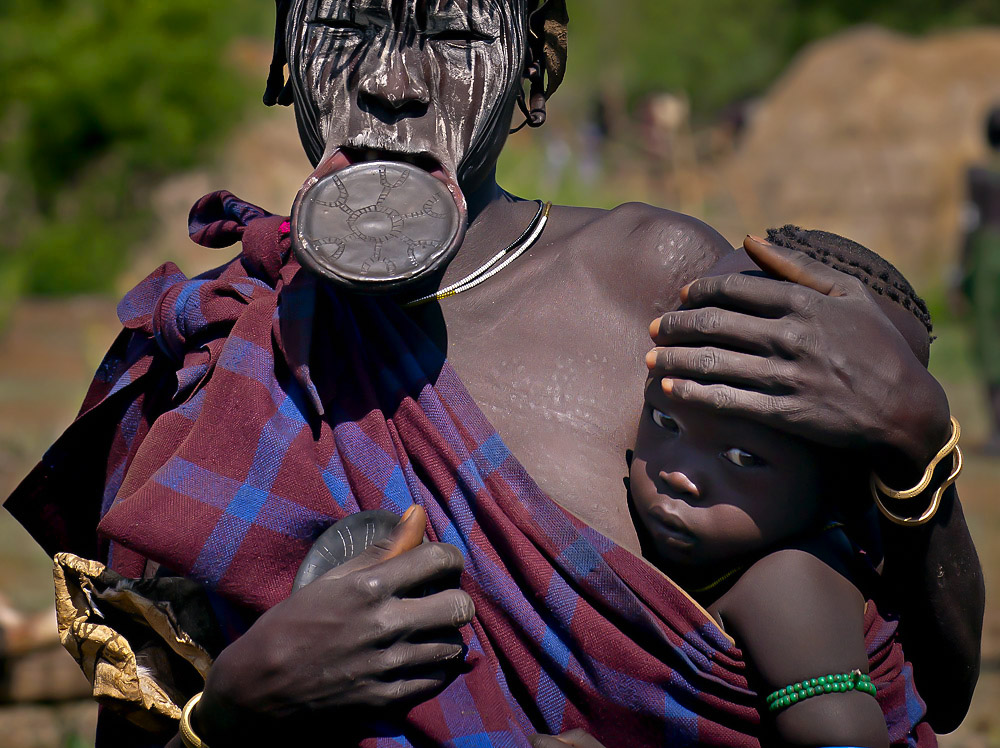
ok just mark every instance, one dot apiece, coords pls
pixel 418 9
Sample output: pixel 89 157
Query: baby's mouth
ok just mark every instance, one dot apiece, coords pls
pixel 670 528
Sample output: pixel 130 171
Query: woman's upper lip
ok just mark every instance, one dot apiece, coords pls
pixel 362 153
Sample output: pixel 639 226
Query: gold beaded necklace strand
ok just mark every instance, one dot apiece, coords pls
pixel 496 263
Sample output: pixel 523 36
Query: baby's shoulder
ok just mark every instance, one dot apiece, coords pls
pixel 793 579
pixel 796 616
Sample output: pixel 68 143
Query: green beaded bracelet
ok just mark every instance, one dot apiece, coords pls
pixel 836 683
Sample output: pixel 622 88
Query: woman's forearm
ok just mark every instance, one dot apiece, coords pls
pixel 914 426
pixel 934 577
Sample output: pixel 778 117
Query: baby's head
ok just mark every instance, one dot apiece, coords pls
pixel 708 489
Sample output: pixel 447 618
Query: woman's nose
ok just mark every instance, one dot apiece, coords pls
pixel 394 79
pixel 680 483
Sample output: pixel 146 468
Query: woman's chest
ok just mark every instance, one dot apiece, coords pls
pixel 562 384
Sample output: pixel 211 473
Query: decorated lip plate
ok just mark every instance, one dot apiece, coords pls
pixel 375 226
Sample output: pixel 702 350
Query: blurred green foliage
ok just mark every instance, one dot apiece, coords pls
pixel 77 741
pixel 98 99
pixel 719 51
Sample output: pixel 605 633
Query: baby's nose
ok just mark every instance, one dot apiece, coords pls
pixel 679 482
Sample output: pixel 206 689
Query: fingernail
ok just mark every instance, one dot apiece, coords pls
pixel 668 385
pixel 757 239
pixel 651 359
pixel 684 292
pixel 654 328
pixel 408 512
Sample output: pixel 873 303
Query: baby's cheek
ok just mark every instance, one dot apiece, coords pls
pixel 743 529
pixel 790 510
pixel 640 486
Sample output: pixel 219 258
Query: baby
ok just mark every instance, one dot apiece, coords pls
pixel 748 521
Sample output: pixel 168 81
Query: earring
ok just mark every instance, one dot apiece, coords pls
pixel 535 116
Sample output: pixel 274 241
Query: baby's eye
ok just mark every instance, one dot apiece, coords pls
pixel 742 458
pixel 664 421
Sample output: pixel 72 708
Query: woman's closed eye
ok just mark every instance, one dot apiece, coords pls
pixel 340 26
pixel 664 421
pixel 456 30
pixel 742 458
pixel 466 36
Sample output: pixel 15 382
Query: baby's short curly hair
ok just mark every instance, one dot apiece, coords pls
pixel 878 274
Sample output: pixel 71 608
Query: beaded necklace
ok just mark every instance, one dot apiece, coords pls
pixel 495 264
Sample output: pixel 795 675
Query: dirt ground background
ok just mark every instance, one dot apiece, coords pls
pixel 905 200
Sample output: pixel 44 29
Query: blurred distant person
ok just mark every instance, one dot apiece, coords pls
pixel 981 270
pixel 21 633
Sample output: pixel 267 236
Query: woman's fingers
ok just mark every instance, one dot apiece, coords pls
pixel 752 294
pixel 763 407
pixel 428 564
pixel 721 328
pixel 546 741
pixel 717 365
pixel 422 656
pixel 760 296
pixel 443 611
pixel 405 692
pixel 800 268
pixel 574 738
pixel 406 535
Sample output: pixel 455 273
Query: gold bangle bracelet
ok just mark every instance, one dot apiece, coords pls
pixel 909 493
pixel 935 499
pixel 188 736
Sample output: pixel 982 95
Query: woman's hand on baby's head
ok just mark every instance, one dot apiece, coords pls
pixel 815 357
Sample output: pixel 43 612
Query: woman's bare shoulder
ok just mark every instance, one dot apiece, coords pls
pixel 651 251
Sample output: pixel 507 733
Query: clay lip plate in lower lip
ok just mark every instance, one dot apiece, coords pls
pixel 377 236
pixel 348 155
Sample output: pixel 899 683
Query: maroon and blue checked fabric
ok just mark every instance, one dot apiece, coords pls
pixel 242 412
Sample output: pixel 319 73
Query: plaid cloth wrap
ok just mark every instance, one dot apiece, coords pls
pixel 242 412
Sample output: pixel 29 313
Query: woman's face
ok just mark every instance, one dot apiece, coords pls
pixel 433 81
pixel 710 489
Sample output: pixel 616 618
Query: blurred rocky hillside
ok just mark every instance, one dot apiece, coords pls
pixel 868 134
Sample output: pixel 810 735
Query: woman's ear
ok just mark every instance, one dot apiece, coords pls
pixel 545 64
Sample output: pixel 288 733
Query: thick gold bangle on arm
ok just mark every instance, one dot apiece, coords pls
pixel 880 489
pixel 909 493
pixel 188 736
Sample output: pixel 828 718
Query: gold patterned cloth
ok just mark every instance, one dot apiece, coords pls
pixel 140 642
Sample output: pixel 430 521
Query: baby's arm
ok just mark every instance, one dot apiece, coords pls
pixel 796 618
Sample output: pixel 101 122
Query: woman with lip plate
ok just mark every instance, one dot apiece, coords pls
pixel 242 412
